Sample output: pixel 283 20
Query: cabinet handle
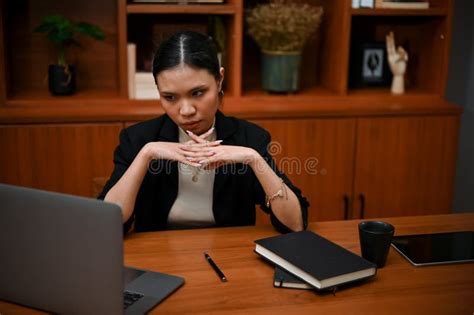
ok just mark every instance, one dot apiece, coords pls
pixel 362 205
pixel 346 207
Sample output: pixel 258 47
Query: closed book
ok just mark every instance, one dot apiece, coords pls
pixel 314 259
pixel 178 1
pixel 147 94
pixel 283 279
pixel 144 77
pixel 145 86
pixel 355 4
pixel 366 3
pixel 407 4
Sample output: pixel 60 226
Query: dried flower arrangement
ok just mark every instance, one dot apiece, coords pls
pixel 283 25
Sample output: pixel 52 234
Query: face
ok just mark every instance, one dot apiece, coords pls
pixel 190 96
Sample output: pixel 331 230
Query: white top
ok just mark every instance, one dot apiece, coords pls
pixel 193 205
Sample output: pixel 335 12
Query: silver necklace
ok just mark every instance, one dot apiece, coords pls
pixel 196 173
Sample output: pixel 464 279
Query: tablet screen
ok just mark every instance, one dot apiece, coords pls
pixel 439 248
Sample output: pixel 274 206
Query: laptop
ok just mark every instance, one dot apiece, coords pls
pixel 436 248
pixel 64 254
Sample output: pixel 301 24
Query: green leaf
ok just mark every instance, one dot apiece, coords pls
pixel 90 30
pixel 61 31
pixel 44 28
pixel 60 36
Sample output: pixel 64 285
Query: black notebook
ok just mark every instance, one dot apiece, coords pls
pixel 283 279
pixel 314 259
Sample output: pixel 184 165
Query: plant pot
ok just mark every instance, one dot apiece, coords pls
pixel 61 81
pixel 280 71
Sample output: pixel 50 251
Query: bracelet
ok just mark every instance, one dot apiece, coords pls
pixel 279 194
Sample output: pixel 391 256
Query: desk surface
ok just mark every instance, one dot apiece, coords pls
pixel 398 288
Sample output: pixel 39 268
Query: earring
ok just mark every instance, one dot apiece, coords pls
pixel 221 92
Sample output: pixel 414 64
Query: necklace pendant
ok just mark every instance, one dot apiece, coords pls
pixel 194 178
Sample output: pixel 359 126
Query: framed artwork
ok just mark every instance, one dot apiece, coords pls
pixel 369 66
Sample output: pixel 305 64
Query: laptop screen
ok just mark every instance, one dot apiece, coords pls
pixel 64 253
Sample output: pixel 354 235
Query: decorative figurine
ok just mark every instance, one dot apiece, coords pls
pixel 397 59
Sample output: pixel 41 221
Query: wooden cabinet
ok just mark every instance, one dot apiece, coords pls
pixel 63 158
pixel 404 166
pixel 346 167
pixel 317 155
pixel 368 167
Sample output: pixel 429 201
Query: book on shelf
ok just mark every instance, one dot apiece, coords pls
pixel 283 279
pixel 145 87
pixel 147 94
pixel 131 66
pixel 178 1
pixel 314 259
pixel 145 78
pixel 401 4
pixel 366 3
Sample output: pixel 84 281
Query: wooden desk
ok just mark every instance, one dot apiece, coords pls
pixel 399 288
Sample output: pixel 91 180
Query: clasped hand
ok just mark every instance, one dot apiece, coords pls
pixel 201 153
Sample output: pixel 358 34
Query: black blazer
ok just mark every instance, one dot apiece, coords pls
pixel 236 188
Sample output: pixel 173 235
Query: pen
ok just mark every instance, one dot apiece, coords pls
pixel 214 266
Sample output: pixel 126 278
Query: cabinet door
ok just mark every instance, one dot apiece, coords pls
pixel 63 158
pixel 317 155
pixel 405 166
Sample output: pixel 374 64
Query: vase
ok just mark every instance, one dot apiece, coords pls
pixel 61 81
pixel 280 71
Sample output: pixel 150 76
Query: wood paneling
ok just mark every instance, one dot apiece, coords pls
pixel 317 155
pixel 63 158
pixel 122 60
pixel 233 74
pixel 336 27
pixel 406 166
pixel 401 165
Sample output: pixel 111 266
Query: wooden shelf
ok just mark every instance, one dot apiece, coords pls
pixel 41 97
pixel 385 92
pixel 425 33
pixel 400 12
pixel 64 110
pixel 308 92
pixel 182 9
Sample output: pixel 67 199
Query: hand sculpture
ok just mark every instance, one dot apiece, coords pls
pixel 397 59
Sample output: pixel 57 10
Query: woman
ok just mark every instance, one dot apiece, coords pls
pixel 194 166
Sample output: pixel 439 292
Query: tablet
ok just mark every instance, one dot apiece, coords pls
pixel 435 249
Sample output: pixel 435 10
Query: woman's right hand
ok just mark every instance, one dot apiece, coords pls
pixel 167 151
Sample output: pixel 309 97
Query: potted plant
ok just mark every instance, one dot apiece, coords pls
pixel 281 29
pixel 62 32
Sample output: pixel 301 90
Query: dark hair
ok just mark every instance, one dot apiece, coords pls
pixel 190 48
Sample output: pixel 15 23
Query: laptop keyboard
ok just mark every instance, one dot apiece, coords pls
pixel 130 298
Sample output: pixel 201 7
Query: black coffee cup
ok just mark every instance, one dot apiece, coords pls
pixel 375 238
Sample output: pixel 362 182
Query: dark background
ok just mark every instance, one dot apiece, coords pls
pixel 460 90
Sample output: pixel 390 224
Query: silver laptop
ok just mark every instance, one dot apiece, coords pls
pixel 63 254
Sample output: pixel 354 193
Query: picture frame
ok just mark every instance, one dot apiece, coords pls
pixel 369 65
